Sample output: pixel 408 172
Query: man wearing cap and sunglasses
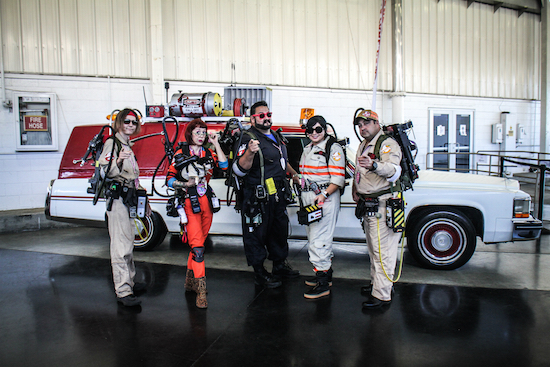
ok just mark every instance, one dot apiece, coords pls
pixel 377 167
pixel 262 162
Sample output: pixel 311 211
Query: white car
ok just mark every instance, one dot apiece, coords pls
pixel 445 212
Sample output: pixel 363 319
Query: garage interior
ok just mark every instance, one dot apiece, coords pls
pixel 57 305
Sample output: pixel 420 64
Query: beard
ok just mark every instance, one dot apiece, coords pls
pixel 265 124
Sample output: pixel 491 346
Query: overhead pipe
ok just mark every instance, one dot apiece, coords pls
pixel 398 93
pixel 5 102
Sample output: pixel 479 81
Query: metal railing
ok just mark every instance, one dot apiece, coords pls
pixel 499 163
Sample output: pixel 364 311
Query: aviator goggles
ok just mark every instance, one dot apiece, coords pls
pixel 318 130
pixel 263 115
pixel 133 122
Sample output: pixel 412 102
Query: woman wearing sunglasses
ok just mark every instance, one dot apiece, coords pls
pixel 322 174
pixel 190 180
pixel 119 164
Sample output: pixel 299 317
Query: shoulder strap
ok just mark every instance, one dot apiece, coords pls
pixel 328 147
pixel 117 142
pixel 378 144
pixel 394 186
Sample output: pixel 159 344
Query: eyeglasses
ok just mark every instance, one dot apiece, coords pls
pixel 318 130
pixel 133 122
pixel 199 133
pixel 263 115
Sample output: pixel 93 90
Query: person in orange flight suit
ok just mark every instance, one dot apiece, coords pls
pixel 190 180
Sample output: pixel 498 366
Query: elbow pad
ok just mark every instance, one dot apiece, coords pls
pixel 396 175
pixel 238 170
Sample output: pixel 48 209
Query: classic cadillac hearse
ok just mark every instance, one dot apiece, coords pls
pixel 445 212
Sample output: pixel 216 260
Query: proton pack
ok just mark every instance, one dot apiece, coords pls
pixel 95 147
pixel 409 169
pixel 398 132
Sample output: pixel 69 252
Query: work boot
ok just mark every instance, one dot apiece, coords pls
pixel 321 288
pixel 200 286
pixel 264 279
pixel 366 290
pixel 129 300
pixel 282 269
pixel 312 282
pixel 373 302
pixel 189 280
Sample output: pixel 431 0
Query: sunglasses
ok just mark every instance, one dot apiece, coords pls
pixel 262 115
pixel 133 122
pixel 318 130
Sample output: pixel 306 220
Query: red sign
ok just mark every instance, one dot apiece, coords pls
pixel 36 123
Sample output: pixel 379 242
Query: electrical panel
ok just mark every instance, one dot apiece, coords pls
pixel 521 136
pixel 497 134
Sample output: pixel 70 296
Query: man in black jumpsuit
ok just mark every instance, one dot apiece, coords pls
pixel 263 214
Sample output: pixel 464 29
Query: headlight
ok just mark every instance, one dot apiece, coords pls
pixel 522 208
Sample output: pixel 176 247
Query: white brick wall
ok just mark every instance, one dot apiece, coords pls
pixel 24 176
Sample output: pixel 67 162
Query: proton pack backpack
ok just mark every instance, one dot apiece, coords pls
pixel 409 170
pixel 95 148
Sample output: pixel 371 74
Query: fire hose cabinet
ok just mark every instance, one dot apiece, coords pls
pixel 36 121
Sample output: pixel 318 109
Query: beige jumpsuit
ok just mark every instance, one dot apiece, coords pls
pixel 381 240
pixel 313 167
pixel 121 226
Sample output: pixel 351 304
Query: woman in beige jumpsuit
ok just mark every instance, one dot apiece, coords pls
pixel 124 170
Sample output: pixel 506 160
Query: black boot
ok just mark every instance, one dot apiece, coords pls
pixel 282 269
pixel 321 288
pixel 366 290
pixel 264 279
pixel 311 282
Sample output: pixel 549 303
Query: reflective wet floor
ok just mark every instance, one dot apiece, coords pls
pixel 57 308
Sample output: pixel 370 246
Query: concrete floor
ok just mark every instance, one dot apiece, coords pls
pixel 57 307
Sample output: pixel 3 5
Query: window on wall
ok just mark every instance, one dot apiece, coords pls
pixel 36 121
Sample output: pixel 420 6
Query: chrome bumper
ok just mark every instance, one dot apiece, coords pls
pixel 527 230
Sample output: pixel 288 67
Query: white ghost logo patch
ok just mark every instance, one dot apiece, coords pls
pixel 242 148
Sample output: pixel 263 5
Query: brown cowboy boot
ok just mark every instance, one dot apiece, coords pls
pixel 200 284
pixel 189 280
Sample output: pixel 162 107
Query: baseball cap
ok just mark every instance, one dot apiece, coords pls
pixel 367 115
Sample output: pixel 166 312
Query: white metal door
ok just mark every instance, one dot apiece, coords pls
pixel 451 138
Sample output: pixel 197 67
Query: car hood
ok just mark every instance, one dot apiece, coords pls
pixel 451 180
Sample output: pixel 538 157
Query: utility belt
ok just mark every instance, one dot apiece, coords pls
pixel 395 210
pixel 192 194
pixel 376 194
pixel 316 187
pixel 257 201
pixel 134 199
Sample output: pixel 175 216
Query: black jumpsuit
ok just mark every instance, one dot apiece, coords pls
pixel 268 239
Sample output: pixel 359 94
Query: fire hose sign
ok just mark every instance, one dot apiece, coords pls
pixel 36 123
